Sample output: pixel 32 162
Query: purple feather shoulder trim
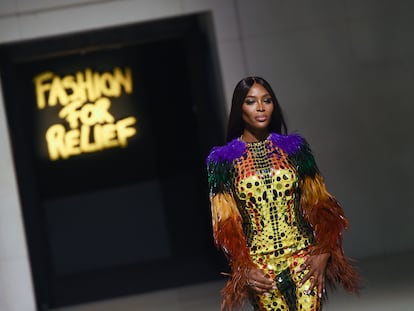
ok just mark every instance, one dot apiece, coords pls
pixel 288 143
pixel 227 153
pixel 234 149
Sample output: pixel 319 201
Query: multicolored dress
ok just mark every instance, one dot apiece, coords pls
pixel 271 210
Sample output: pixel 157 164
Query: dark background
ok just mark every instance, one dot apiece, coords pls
pixel 120 221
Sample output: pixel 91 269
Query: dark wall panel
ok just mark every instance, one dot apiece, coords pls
pixel 117 220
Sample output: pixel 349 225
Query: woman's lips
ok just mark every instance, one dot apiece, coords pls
pixel 261 118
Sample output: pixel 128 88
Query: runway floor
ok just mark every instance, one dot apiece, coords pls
pixel 388 285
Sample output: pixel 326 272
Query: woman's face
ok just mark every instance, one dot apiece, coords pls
pixel 257 109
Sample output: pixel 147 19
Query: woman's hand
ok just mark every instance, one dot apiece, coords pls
pixel 259 282
pixel 316 264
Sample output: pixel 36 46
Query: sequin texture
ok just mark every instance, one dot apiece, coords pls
pixel 270 209
pixel 265 184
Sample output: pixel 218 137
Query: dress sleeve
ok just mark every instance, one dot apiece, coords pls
pixel 327 220
pixel 228 233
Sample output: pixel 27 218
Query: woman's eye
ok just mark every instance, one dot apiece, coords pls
pixel 268 100
pixel 249 101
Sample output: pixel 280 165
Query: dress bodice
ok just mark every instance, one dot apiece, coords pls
pixel 265 184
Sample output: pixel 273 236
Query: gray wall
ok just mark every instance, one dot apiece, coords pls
pixel 343 72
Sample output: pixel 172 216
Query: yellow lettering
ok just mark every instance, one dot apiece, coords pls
pixel 92 126
pixel 72 142
pixel 87 114
pixel 86 85
pixel 60 143
pixel 74 91
pixel 55 141
pixel 85 140
pixel 96 84
pixel 109 85
pixel 70 113
pixel 57 93
pixel 124 80
pixel 41 88
pixel 83 86
pixel 101 111
pixel 124 130
pixel 97 133
pixel 109 136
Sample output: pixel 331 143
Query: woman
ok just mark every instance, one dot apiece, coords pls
pixel 272 216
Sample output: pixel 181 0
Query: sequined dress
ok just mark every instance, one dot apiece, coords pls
pixel 260 219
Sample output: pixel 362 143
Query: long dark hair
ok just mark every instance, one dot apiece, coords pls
pixel 235 124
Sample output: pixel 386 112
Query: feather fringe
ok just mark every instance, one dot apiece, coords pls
pixel 303 159
pixel 218 176
pixel 229 236
pixel 341 271
pixel 328 222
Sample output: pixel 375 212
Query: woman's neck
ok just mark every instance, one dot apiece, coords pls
pixel 250 137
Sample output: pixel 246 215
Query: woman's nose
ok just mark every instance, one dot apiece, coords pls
pixel 260 106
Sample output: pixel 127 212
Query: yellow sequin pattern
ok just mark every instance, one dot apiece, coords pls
pixel 265 186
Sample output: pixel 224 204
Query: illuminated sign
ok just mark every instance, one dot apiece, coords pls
pixel 85 98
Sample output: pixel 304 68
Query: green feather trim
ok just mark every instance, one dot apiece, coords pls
pixel 219 176
pixel 304 161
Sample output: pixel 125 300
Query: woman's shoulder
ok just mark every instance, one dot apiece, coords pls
pixel 298 151
pixel 289 143
pixel 226 153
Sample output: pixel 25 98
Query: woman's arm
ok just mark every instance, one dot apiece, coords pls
pixel 228 230
pixel 328 222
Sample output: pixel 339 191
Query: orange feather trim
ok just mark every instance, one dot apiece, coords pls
pixel 229 236
pixel 328 222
